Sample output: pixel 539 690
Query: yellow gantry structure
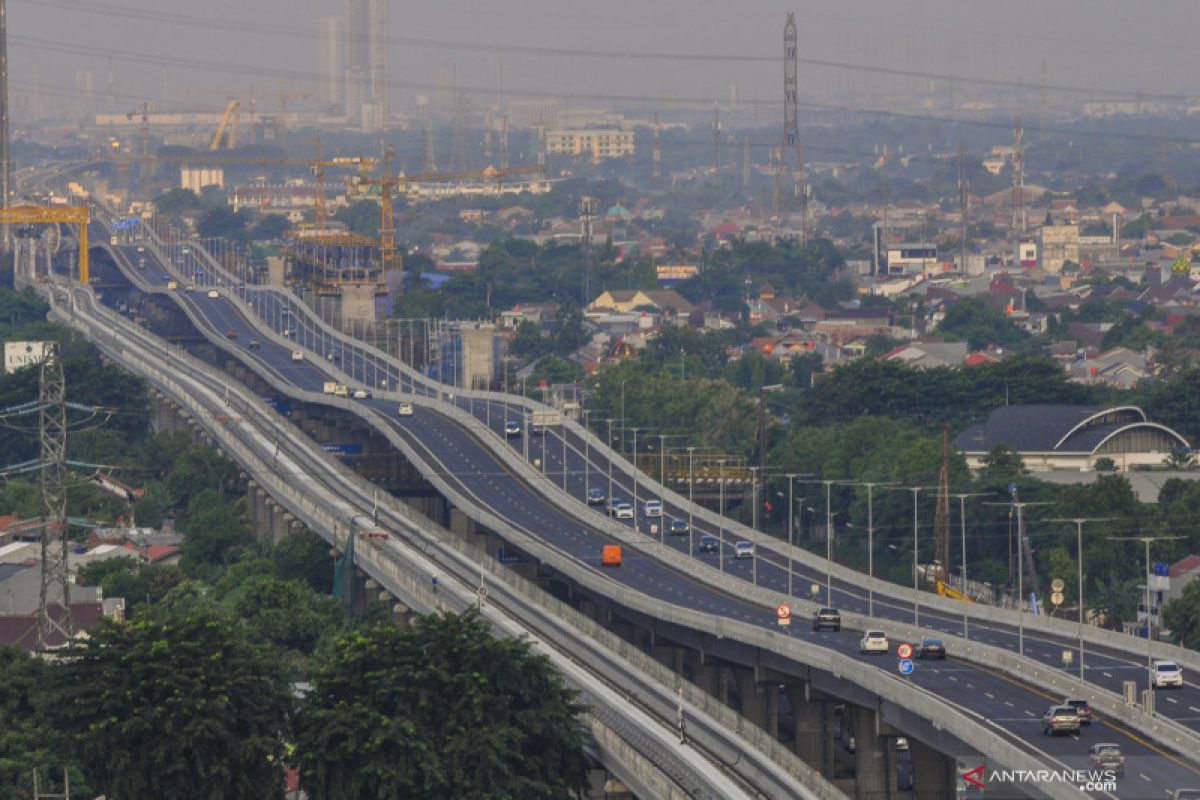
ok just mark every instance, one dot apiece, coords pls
pixel 74 215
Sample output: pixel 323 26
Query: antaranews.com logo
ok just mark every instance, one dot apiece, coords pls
pixel 1099 780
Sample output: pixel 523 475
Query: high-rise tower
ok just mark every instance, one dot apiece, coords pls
pixel 366 95
pixel 791 124
pixel 332 52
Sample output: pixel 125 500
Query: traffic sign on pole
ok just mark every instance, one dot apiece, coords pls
pixel 904 651
pixel 906 666
pixel 784 614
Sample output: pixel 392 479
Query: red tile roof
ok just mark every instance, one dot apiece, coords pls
pixel 1184 566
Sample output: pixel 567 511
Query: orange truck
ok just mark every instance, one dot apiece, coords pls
pixel 611 555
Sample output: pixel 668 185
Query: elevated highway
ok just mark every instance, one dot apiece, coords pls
pixel 458 436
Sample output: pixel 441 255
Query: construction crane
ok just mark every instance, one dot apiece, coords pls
pixel 76 215
pixel 233 112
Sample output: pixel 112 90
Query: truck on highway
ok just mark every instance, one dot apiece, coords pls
pixel 341 390
pixel 329 387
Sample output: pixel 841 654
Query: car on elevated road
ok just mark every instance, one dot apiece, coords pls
pixel 213 294
pixel 1060 719
pixel 873 642
pixel 930 648
pixel 1082 707
pixel 595 496
pixel 405 410
pixel 827 619
pixel 1107 756
pixel 652 508
pixel 231 334
pixel 709 543
pixel 679 527
pixel 512 428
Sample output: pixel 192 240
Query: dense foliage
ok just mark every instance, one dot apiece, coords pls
pixel 438 709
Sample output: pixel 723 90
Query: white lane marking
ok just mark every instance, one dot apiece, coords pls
pixel 1008 703
pixel 989 695
pixel 1144 777
pixel 1030 714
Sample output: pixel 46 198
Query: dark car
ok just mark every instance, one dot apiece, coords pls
pixel 1082 707
pixel 595 496
pixel 827 619
pixel 1107 756
pixel 254 344
pixel 512 428
pixel 930 648
pixel 709 543
pixel 679 527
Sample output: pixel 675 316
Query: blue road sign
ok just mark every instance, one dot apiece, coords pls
pixel 906 666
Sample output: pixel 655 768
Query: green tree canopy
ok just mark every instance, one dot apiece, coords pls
pixel 441 708
pixel 176 703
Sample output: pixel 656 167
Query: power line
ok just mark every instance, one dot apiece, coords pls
pixel 242 26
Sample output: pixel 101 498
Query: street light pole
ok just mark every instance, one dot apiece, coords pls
pixel 691 527
pixel 1146 540
pixel 609 457
pixel 721 514
pixel 635 477
pixel 828 545
pixel 962 518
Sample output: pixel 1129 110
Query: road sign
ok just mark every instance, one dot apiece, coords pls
pixel 783 611
pixel 1057 585
pixel 904 651
pixel 906 666
pixel 1056 598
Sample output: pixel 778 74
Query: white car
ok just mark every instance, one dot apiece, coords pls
pixel 405 410
pixel 213 294
pixel 743 549
pixel 297 355
pixel 624 511
pixel 652 508
pixel 873 642
pixel 362 394
pixel 1167 674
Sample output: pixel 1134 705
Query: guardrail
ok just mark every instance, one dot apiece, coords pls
pixel 867 676
pixel 1160 728
pixel 317 515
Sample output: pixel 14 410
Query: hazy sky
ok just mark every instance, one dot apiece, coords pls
pixel 222 47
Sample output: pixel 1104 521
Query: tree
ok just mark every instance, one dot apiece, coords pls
pixel 441 708
pixel 176 703
pixel 224 223
pixel 176 201
pixel 271 226
pixel 1182 617
pixel 27 741
pixel 527 341
pixel 360 217
pixel 1002 461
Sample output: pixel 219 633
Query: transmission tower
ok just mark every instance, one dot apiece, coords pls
pixel 746 163
pixel 963 202
pixel 52 432
pixel 941 519
pixel 504 142
pixel 1018 187
pixel 777 175
pixel 587 210
pixel 430 158
pixel 4 243
pixel 656 155
pixel 791 124
pixel 716 138
pixel 487 137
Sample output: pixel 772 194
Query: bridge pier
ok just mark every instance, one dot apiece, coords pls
pixel 813 733
pixel 933 773
pixel 754 701
pixel 870 758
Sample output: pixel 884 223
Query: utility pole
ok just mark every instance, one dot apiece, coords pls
pixel 656 155
pixel 791 124
pixel 1146 540
pixel 963 201
pixel 4 243
pixel 941 516
pixel 52 433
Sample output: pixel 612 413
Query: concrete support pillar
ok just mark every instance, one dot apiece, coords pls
pixel 461 524
pixel 770 692
pixel 669 656
pixel 723 684
pixel 933 772
pixel 809 733
pixel 754 706
pixel 870 759
pixel 707 677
